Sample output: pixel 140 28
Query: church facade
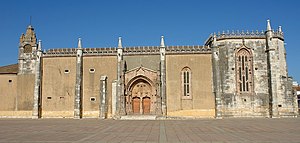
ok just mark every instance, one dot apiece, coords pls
pixel 234 74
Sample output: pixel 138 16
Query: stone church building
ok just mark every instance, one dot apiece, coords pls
pixel 234 74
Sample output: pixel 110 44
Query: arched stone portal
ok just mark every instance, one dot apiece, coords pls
pixel 141 97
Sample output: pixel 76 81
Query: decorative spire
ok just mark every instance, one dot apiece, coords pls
pixel 120 42
pixel 40 45
pixel 29 36
pixel 268 25
pixel 162 42
pixel 279 29
pixel 79 43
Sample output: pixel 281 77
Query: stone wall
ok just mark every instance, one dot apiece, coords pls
pixel 93 69
pixel 148 61
pixel 16 95
pixel 25 89
pixel 8 94
pixel 58 87
pixel 243 104
pixel 201 103
pixel 270 94
pixel 285 97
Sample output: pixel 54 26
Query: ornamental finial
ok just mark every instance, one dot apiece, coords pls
pixel 268 25
pixel 162 42
pixel 40 45
pixel 120 42
pixel 79 43
pixel 279 29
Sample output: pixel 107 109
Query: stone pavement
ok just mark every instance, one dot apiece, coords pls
pixel 203 130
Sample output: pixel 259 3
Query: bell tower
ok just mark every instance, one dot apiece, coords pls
pixel 27 51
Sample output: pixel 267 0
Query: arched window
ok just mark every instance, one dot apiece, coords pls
pixel 244 71
pixel 186 82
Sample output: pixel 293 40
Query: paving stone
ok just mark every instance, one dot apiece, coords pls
pixel 106 131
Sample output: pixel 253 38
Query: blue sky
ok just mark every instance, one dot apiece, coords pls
pixel 59 23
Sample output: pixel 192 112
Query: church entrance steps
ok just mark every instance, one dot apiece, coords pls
pixel 139 117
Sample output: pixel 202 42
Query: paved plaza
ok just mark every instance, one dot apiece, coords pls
pixel 203 130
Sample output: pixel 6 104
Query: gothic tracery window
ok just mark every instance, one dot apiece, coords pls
pixel 186 82
pixel 244 71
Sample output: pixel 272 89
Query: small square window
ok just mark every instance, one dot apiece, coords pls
pixel 93 99
pixel 67 71
pixel 92 70
pixel 49 97
pixel 10 81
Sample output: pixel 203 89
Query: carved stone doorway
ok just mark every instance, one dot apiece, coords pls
pixel 141 97
pixel 142 92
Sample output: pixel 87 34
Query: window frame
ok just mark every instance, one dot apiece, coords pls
pixel 92 70
pixel 66 71
pixel 186 83
pixel 244 71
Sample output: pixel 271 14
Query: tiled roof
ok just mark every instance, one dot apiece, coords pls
pixel 296 88
pixel 9 69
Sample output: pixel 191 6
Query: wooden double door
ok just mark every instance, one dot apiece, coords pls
pixel 141 106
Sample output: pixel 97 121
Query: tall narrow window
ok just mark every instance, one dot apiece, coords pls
pixel 186 82
pixel 244 72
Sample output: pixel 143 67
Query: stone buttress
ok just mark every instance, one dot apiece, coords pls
pixel 78 85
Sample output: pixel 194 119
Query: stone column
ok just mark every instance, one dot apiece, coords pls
pixel 272 62
pixel 37 83
pixel 114 98
pixel 78 85
pixel 216 78
pixel 103 94
pixel 120 82
pixel 162 52
pixel 158 96
pixel 293 95
pixel 296 110
pixel 21 59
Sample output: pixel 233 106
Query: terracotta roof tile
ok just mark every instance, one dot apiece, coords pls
pixel 296 88
pixel 9 69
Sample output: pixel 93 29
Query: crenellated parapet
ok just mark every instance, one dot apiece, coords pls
pixel 60 52
pixel 138 50
pixel 188 49
pixel 244 35
pixel 240 34
pixel 86 51
pixel 141 50
pixel 100 51
pixel 149 50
